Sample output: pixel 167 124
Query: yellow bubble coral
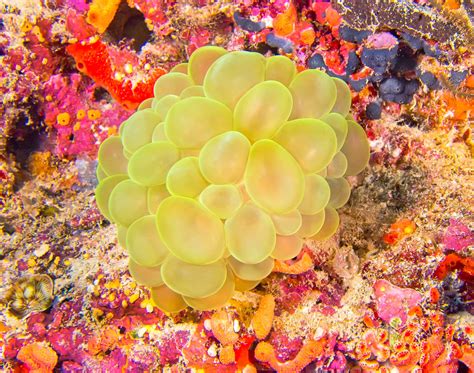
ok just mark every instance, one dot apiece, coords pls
pixel 234 163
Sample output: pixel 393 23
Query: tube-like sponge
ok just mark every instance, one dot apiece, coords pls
pixel 233 164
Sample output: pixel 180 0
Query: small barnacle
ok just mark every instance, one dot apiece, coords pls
pixel 30 294
pixel 81 114
pixel 93 114
pixel 63 119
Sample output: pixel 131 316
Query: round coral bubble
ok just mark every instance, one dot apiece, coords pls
pixel 250 234
pixel 273 178
pixel 190 231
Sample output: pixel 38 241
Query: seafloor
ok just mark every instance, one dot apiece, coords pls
pixel 391 291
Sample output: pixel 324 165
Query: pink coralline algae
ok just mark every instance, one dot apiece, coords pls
pixel 285 347
pixel 171 347
pixel 457 236
pixel 394 302
pixel 86 126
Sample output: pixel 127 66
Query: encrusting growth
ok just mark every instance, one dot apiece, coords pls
pixel 101 13
pixel 305 263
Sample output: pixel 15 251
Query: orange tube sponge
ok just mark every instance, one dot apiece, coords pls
pixel 101 13
pixel 222 327
pixel 227 355
pixel 38 358
pixel 263 318
pixel 304 264
pixel 309 352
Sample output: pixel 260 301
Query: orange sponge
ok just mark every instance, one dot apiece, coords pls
pixel 227 355
pixel 38 358
pixel 309 352
pixel 263 318
pixel 304 264
pixel 101 13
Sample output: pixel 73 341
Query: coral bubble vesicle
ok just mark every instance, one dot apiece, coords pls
pixel 281 69
pixel 144 244
pixel 167 300
pixel 138 130
pixel 185 179
pixel 287 224
pixel 252 272
pixel 337 167
pixel 217 299
pixel 193 91
pixel 250 234
pixel 146 276
pixel 339 125
pixel 310 141
pixel 314 94
pixel 224 158
pixel 273 178
pixel 343 97
pixel 128 202
pixel 287 247
pixel 150 164
pixel 356 149
pixel 171 84
pixel 154 196
pixel 226 171
pixel 329 226
pixel 191 280
pixel 159 133
pixel 190 231
pixel 111 158
pixel 163 105
pixel 201 60
pixel 263 110
pixel 316 194
pixel 222 200
pixel 311 224
pixel 191 122
pixel 103 191
pixel 232 75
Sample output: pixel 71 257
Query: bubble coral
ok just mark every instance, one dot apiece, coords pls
pixel 234 162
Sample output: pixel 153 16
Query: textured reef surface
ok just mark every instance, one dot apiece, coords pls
pixel 392 290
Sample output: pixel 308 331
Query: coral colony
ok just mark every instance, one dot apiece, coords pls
pixel 236 186
pixel 210 183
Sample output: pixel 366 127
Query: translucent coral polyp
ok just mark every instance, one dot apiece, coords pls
pixel 233 164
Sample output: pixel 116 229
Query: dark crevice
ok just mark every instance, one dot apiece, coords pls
pixel 25 139
pixel 101 94
pixel 129 26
